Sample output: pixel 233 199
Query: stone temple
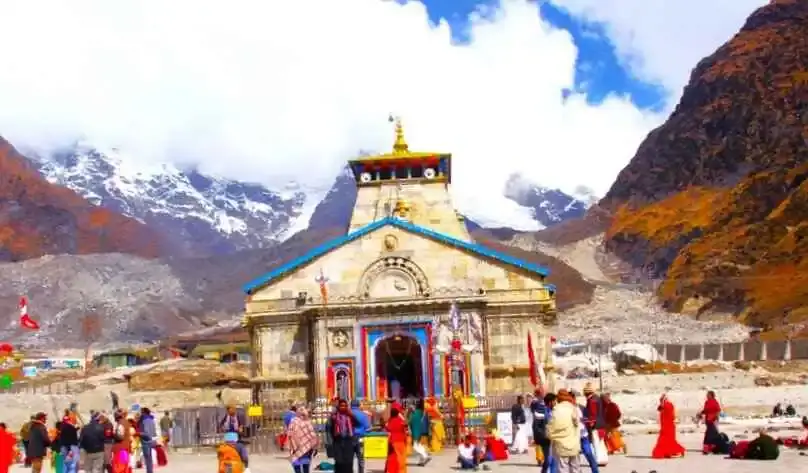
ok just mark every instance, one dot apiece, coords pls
pixel 405 304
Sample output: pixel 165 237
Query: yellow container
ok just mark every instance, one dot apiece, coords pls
pixel 376 445
pixel 470 403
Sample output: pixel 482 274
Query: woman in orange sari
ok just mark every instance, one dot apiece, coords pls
pixel 437 431
pixel 611 417
pixel 667 446
pixel 397 431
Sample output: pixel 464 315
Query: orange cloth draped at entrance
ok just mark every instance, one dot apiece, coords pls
pixel 381 387
pixel 460 412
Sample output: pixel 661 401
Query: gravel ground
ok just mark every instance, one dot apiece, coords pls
pixel 638 459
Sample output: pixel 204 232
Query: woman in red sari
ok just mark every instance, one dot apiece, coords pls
pixel 397 431
pixel 667 446
pixel 8 444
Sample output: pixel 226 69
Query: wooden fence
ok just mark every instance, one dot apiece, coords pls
pixel 196 428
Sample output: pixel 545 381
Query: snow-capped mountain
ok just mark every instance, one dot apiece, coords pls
pixel 196 213
pixel 548 206
pixel 200 214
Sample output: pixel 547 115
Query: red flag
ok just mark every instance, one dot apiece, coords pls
pixel 534 368
pixel 25 320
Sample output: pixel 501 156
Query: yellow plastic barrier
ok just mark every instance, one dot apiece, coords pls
pixel 376 445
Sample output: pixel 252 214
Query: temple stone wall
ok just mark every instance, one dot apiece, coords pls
pixel 508 360
pixel 284 350
pixel 391 264
pixel 430 203
pixel 448 271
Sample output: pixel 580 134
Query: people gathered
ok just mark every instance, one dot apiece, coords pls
pixel 570 433
pixel 119 442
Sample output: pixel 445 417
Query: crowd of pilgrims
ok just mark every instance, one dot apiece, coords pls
pixel 348 424
pixel 107 443
pixel 565 434
pixel 421 431
pixel 562 431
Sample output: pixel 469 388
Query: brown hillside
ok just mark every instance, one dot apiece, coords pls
pixel 716 199
pixel 595 222
pixel 38 218
pixel 573 289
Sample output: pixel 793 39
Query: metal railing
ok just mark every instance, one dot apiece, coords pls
pixel 197 428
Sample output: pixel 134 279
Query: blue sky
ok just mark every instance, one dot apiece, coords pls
pixel 598 71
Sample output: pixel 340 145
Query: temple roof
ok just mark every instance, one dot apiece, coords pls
pixel 327 247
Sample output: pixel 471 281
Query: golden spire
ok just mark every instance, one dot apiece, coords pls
pixel 400 146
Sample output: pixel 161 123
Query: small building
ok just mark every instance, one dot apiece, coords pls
pixel 223 352
pixel 48 364
pixel 187 344
pixel 124 358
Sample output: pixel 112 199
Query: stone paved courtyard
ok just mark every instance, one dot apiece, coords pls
pixel 637 460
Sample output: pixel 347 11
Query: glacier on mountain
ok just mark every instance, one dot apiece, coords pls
pixel 199 213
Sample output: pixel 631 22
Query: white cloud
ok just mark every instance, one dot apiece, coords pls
pixel 663 40
pixel 270 91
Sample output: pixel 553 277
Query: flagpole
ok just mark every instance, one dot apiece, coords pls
pixel 322 281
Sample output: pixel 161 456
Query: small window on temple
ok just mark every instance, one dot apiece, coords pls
pixel 385 174
pixel 402 173
pixel 417 172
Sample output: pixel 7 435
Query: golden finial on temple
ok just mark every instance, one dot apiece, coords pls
pixel 400 146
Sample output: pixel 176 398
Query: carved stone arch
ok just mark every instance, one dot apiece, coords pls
pixel 393 276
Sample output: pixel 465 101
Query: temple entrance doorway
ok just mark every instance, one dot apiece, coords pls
pixel 399 367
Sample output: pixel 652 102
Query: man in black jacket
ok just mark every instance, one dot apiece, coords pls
pixel 92 441
pixel 69 442
pixel 38 442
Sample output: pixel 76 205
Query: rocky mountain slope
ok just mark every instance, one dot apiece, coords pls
pixel 138 299
pixel 195 212
pixel 716 199
pixel 38 218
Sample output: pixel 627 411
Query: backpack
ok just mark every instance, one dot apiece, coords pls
pixel 25 431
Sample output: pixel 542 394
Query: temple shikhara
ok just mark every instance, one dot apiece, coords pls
pixel 405 304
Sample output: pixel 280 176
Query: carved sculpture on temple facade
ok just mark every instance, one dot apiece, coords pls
pixel 468 326
pixel 393 277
